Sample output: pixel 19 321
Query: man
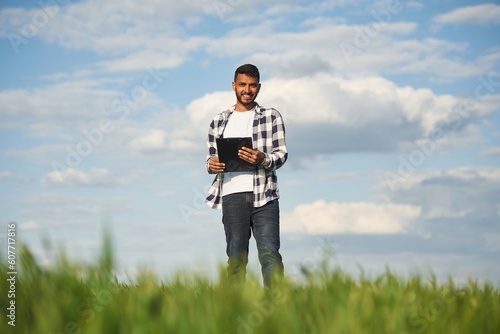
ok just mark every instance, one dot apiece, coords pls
pixel 249 200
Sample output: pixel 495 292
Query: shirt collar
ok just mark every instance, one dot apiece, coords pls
pixel 257 109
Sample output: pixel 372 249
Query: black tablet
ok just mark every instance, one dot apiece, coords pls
pixel 227 149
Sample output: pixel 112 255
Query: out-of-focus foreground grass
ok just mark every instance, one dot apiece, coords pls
pixel 75 298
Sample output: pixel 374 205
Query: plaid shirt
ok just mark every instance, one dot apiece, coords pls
pixel 269 138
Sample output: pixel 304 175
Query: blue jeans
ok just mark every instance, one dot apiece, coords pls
pixel 240 220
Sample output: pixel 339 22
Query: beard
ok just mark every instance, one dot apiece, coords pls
pixel 248 103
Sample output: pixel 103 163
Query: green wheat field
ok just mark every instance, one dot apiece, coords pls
pixel 72 297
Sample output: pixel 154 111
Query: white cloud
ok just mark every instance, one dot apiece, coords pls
pixel 170 137
pixel 43 153
pixel 203 109
pixel 330 47
pixel 47 206
pixel 5 174
pixel 92 23
pixel 479 14
pixel 326 113
pixel 69 101
pixel 100 177
pixel 238 11
pixel 29 225
pixel 459 206
pixel 344 112
pixel 155 139
pixel 173 142
pixel 467 174
pixel 93 52
pixel 337 176
pixel 492 151
pixel 475 173
pixel 468 195
pixel 139 61
pixel 290 53
pixel 138 35
pixel 321 217
pixel 74 109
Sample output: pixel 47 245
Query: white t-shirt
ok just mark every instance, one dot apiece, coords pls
pixel 240 124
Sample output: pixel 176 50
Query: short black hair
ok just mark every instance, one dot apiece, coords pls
pixel 248 69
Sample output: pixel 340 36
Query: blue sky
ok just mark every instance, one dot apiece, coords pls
pixel 391 110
